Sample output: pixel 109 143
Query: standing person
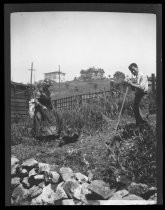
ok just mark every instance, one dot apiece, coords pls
pixel 141 88
pixel 45 122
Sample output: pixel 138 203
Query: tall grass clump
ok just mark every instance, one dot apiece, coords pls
pixel 134 153
pixel 21 128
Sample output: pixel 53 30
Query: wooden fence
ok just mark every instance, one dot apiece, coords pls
pixel 20 96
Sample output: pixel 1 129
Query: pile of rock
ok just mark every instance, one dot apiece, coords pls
pixel 35 183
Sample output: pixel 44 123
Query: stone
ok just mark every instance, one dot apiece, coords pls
pixel 100 188
pixel 66 173
pixel 60 193
pixel 14 170
pixel 55 177
pixel 81 177
pixel 25 183
pixel 19 194
pixel 69 187
pixel 47 177
pixel 15 182
pixel 24 173
pixel 115 197
pixel 35 191
pixel 132 197
pixel 14 161
pixel 32 172
pixel 137 188
pixel 153 197
pixel 43 167
pixel 39 177
pixel 84 189
pixel 47 197
pixel 68 202
pixel 121 193
pixel 30 163
pixel 41 184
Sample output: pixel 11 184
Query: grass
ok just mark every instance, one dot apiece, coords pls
pixel 95 123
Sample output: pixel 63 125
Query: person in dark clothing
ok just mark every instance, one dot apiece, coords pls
pixel 45 123
pixel 141 88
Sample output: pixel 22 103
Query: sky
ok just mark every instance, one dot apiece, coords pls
pixel 79 40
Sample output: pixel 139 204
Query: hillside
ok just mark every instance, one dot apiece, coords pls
pixel 70 88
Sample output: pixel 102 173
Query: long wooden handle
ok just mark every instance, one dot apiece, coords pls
pixel 121 110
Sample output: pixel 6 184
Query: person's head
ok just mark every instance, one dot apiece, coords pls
pixel 133 67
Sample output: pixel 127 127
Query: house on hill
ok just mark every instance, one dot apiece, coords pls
pixel 55 76
pixel 92 74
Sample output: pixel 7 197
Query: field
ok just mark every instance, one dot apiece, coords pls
pixel 94 124
pixel 71 88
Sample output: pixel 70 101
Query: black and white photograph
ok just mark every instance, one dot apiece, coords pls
pixel 83 108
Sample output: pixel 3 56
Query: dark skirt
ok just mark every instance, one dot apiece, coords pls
pixel 45 122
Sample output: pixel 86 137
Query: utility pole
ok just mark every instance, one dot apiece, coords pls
pixel 59 79
pixel 31 76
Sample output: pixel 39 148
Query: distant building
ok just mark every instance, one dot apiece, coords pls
pixel 55 76
pixel 92 74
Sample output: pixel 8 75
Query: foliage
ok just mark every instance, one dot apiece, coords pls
pixel 119 76
pixel 134 152
pixel 21 129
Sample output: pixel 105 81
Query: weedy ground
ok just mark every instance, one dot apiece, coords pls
pixel 90 151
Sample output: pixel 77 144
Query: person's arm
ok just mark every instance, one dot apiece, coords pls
pixel 38 103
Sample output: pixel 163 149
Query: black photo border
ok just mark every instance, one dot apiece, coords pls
pixel 152 8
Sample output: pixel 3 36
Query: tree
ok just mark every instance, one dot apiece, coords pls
pixel 119 76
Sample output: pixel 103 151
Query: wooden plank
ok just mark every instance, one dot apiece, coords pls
pixel 18 100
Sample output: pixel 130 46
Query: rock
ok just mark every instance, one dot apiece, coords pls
pixel 44 167
pixel 132 197
pixel 121 193
pixel 137 189
pixel 15 182
pixel 84 189
pixel 24 173
pixel 81 177
pixel 69 188
pixel 25 183
pixel 47 177
pixel 118 195
pixel 41 184
pixel 153 197
pixel 55 177
pixel 66 173
pixel 39 178
pixel 20 194
pixel 45 198
pixel 68 202
pixel 32 172
pixel 115 197
pixel 29 164
pixel 14 161
pixel 60 193
pixel 35 191
pixel 14 170
pixel 100 188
